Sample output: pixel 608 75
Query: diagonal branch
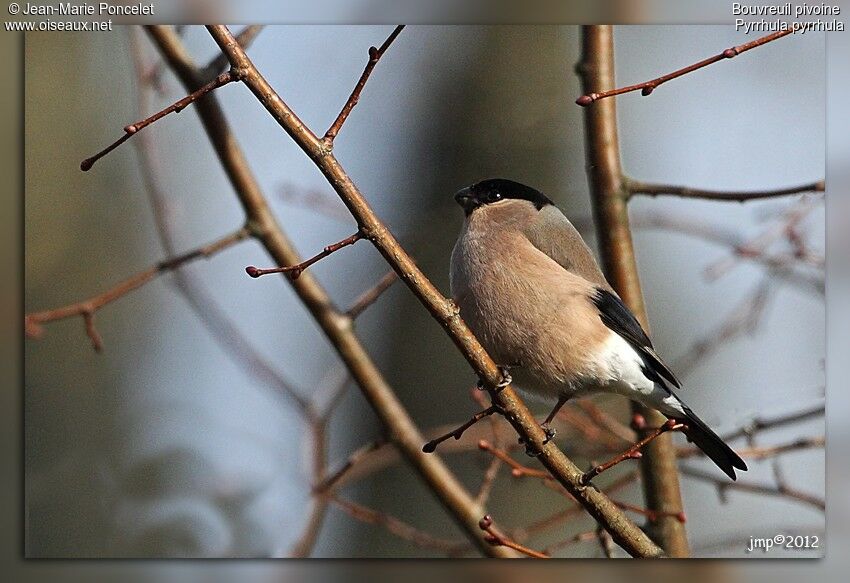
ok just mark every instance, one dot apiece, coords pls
pixel 336 326
pixel 374 56
pixel 623 530
pixel 371 295
pixel 648 87
pixel 175 107
pixel 295 271
pixel 88 307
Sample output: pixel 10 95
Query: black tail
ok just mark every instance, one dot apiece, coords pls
pixel 709 442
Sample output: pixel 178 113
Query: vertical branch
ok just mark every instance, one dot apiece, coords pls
pixel 609 196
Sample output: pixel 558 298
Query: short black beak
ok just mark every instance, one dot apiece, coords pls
pixel 464 198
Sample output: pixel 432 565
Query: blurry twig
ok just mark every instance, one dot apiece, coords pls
pixel 400 528
pixel 636 187
pixel 780 488
pixel 87 308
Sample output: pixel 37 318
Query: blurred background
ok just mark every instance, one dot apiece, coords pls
pixel 164 446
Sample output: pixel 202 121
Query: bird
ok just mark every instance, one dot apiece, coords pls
pixel 531 291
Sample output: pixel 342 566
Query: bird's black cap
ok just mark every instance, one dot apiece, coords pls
pixel 496 189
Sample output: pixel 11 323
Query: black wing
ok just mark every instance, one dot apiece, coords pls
pixel 620 319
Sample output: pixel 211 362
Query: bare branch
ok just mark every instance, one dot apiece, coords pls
pixel 634 451
pixel 494 537
pixel 400 528
pixel 371 295
pixel 222 329
pixel 761 424
pixel 294 271
pixel 609 200
pixel 336 326
pixel 637 187
pixel 648 87
pixel 780 489
pixel 374 56
pixel 175 107
pixel 458 432
pixel 219 63
pixel 88 307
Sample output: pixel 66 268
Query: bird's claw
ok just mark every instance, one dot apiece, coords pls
pixel 507 379
pixel 548 431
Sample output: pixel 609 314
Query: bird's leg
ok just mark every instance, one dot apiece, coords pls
pixel 457 433
pixel 550 433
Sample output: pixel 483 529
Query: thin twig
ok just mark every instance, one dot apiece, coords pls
pixel 306 541
pixel 328 483
pixel 88 307
pixel 457 433
pixel 496 538
pixel 401 529
pixel 295 271
pixel 562 516
pixel 517 469
pixel 765 451
pixel 371 295
pixel 374 56
pixel 576 538
pixel 636 187
pixel 764 424
pixel 633 452
pixel 647 87
pixel 781 489
pixel 175 107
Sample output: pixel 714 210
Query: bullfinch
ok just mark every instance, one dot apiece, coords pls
pixel 530 289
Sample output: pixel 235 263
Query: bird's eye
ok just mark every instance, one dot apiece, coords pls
pixel 493 196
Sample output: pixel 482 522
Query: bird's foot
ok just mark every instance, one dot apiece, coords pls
pixel 550 433
pixel 506 380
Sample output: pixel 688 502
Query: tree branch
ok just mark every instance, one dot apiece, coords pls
pixel 371 295
pixel 608 194
pixel 636 187
pixel 374 56
pixel 780 489
pixel 648 87
pixel 623 530
pixel 294 271
pixel 175 107
pixel 337 326
pixel 499 539
pixel 87 308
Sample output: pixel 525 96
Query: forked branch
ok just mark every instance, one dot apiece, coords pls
pixel 87 308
